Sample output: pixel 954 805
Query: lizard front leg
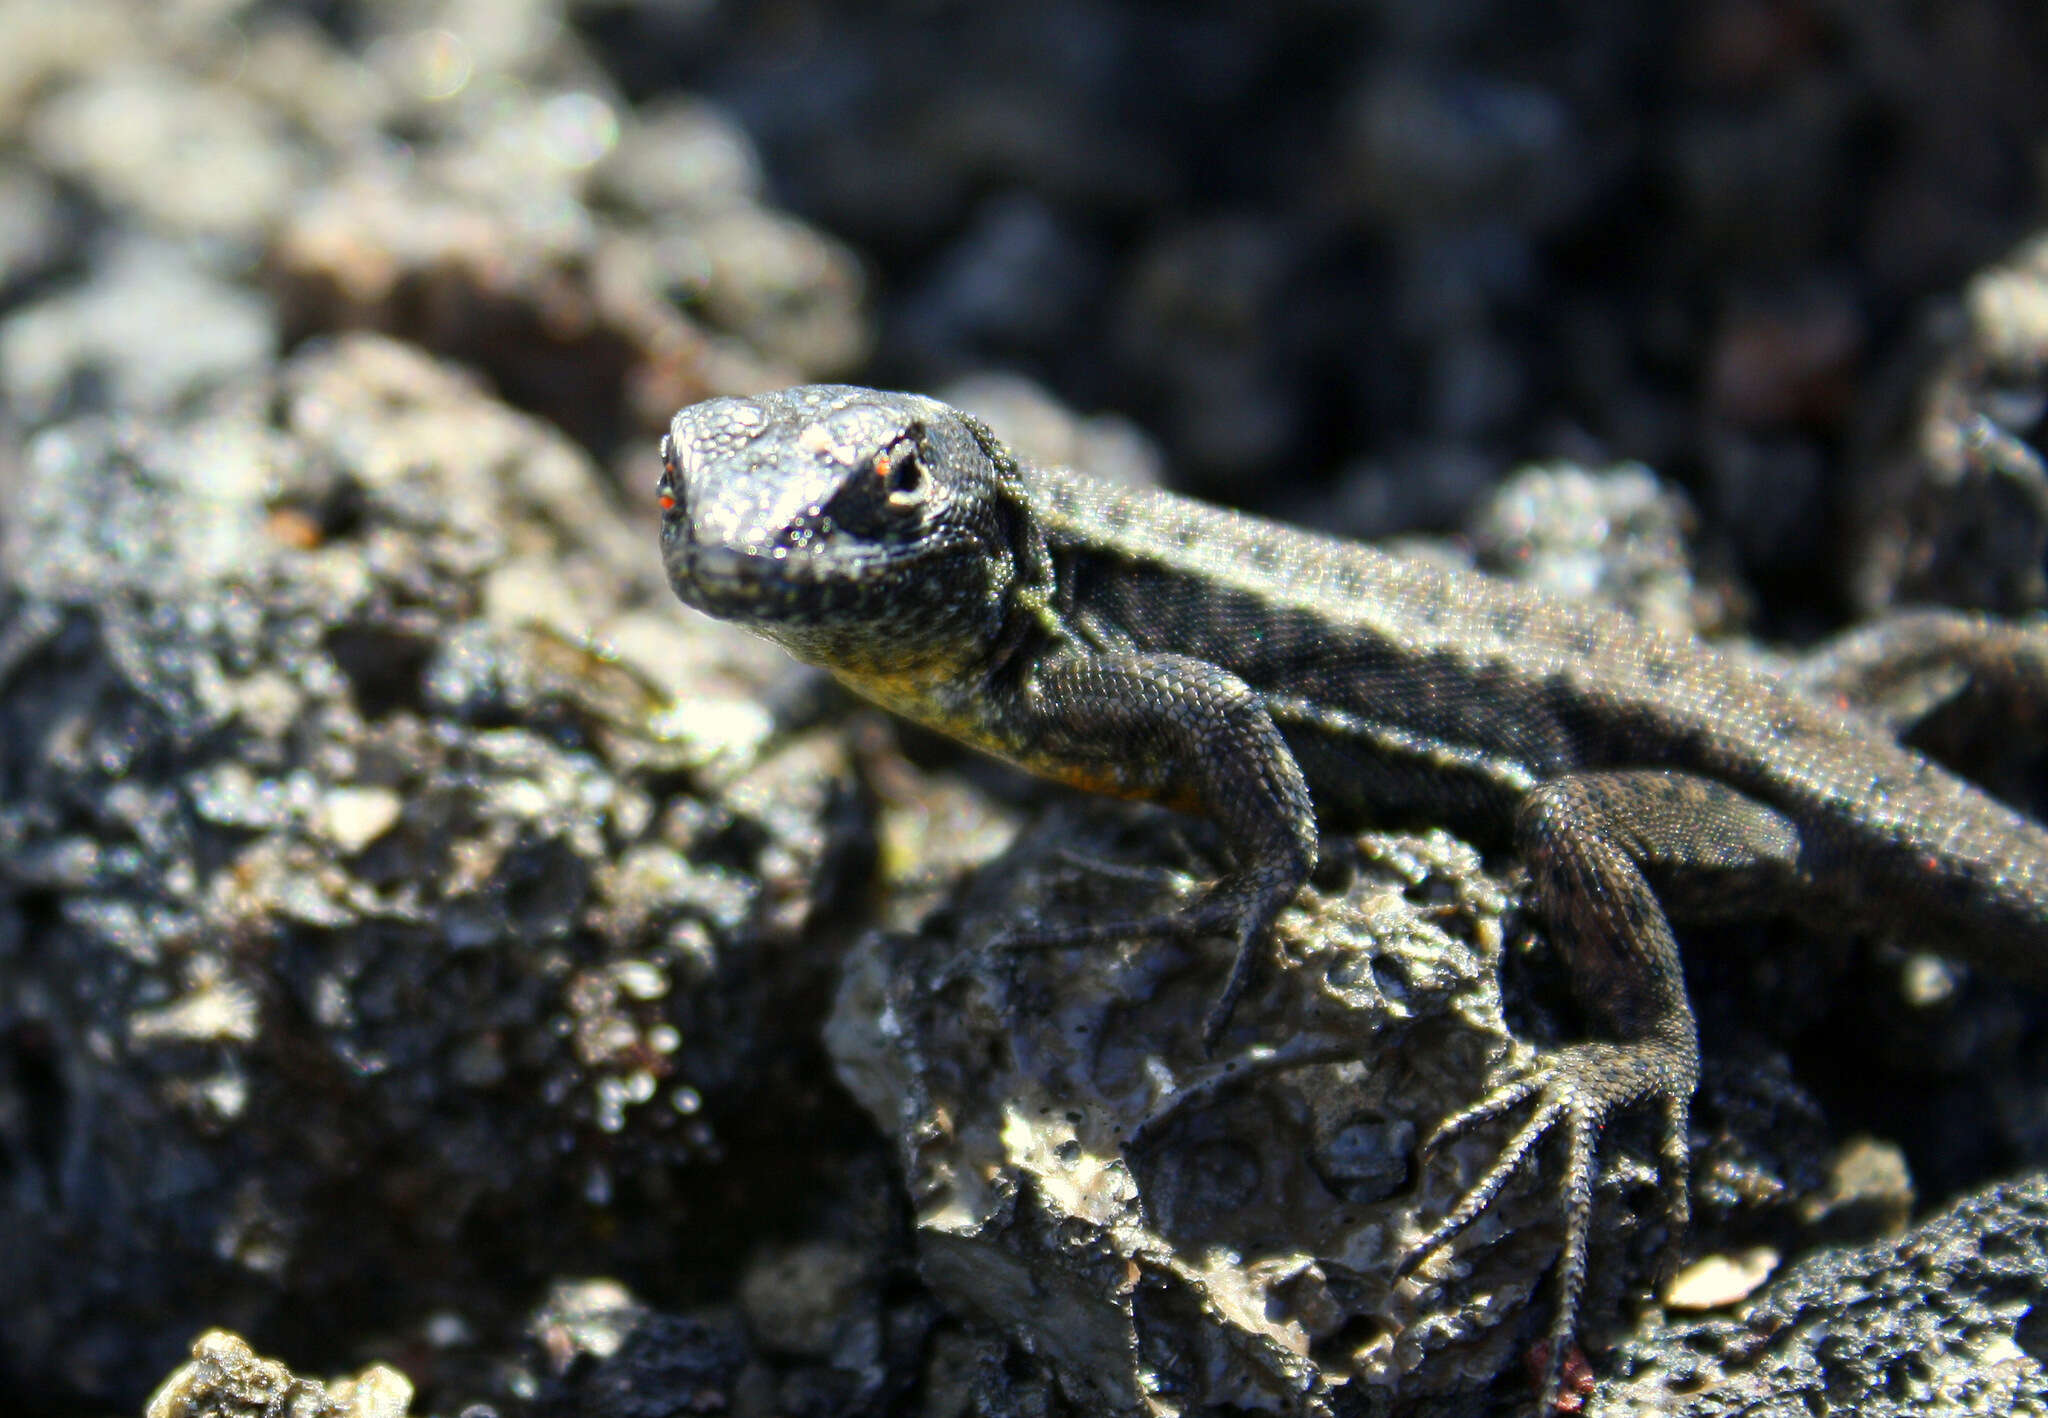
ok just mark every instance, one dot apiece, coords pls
pixel 1593 843
pixel 1183 732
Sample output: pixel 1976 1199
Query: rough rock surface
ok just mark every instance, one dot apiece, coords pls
pixel 226 1380
pixel 383 862
pixel 1947 1318
pixel 1957 510
pixel 1167 1228
pixel 1164 1227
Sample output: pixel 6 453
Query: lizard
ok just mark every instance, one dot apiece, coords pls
pixel 1139 643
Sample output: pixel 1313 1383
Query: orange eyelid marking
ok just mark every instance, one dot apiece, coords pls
pixel 668 502
pixel 882 466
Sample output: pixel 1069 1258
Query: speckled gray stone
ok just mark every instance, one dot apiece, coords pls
pixel 354 885
pixel 1947 1318
pixel 1223 1230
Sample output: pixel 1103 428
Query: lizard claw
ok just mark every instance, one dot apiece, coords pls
pixel 1578 1089
pixel 1242 909
pixel 1482 1193
pixel 1502 1099
pixel 1218 1018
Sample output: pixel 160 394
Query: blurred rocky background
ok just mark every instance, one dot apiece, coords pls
pixel 422 944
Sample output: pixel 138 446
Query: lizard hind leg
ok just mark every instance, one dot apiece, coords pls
pixel 1592 842
pixel 1904 669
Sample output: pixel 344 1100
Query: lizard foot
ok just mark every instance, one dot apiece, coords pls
pixel 1575 1090
pixel 1238 907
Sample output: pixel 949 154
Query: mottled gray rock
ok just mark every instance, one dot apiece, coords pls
pixel 151 330
pixel 32 226
pixel 1044 432
pixel 1161 1228
pixel 50 44
pixel 225 1379
pixel 1947 1318
pixel 462 176
pixel 608 1355
pixel 381 857
pixel 592 325
pixel 190 156
pixel 827 1328
pixel 1956 511
pixel 681 156
pixel 1164 1228
pixel 600 274
pixel 1617 535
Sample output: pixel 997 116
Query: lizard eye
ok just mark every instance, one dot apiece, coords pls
pixel 900 469
pixel 885 496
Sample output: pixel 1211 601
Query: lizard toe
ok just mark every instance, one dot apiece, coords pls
pixel 1504 1098
pixel 1483 1193
pixel 1576 1090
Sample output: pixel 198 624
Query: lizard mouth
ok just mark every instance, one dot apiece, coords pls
pixel 741 585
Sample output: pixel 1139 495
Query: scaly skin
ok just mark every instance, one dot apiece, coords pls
pixel 1137 643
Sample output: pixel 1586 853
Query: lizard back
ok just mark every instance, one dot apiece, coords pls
pixel 1410 688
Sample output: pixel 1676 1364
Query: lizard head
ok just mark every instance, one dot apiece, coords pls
pixel 864 531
